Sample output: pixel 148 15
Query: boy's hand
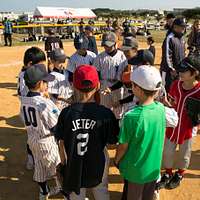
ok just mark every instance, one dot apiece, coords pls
pixel 106 91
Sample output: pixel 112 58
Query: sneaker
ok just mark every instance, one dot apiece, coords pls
pixel 156 195
pixel 30 162
pixel 164 181
pixel 43 197
pixel 54 190
pixel 175 181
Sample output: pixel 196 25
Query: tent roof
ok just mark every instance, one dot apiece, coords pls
pixel 62 12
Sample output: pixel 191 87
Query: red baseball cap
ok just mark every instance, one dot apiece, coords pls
pixel 85 77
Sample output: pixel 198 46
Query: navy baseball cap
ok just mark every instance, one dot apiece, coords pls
pixel 81 42
pixel 109 39
pixel 179 22
pixel 36 73
pixel 189 63
pixel 58 55
pixel 89 28
pixel 145 56
pixel 129 43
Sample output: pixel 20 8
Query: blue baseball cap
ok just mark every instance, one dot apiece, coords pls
pixel 81 42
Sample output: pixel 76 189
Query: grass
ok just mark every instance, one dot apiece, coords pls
pixel 18 39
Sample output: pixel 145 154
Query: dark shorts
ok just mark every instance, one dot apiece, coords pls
pixel 134 191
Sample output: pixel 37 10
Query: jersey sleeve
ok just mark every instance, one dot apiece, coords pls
pixel 121 68
pixel 49 113
pixel 71 66
pixel 96 63
pixel 171 117
pixel 128 128
pixel 60 125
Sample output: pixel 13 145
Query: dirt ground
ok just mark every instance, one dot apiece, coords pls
pixel 16 182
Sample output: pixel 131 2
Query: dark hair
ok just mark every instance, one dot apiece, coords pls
pixel 87 84
pixel 31 86
pixel 34 55
pixel 170 16
pixel 193 71
pixel 150 39
pixel 146 92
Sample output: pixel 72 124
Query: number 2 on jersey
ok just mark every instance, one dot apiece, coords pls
pixel 82 146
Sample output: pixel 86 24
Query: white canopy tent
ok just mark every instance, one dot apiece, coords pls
pixel 62 12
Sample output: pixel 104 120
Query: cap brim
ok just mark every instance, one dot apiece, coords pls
pixel 126 48
pixel 107 43
pixel 49 78
pixel 62 58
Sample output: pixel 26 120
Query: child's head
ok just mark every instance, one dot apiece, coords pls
pixel 146 81
pixel 130 47
pixel 86 82
pixel 34 55
pixel 36 78
pixel 89 30
pixel 189 69
pixel 150 40
pixel 81 43
pixel 50 31
pixel 179 26
pixel 109 40
pixel 58 58
pixel 196 25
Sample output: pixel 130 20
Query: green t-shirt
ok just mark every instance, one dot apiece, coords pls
pixel 143 128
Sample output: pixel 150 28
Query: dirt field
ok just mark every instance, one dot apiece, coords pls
pixel 16 182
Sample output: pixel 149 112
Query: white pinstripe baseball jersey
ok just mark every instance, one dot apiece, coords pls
pixel 40 115
pixel 77 60
pixel 108 67
pixel 22 89
pixel 60 87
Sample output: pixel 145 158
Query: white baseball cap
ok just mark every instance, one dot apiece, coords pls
pixel 147 77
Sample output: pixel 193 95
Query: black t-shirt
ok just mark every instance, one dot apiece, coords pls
pixel 86 128
pixel 52 43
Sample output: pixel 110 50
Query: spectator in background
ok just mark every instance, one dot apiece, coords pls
pixel 119 31
pixel 81 23
pixel 7 31
pixel 169 23
pixel 92 46
pixel 150 42
pixel 52 42
pixel 116 23
pixel 109 25
pixel 194 38
pixel 173 52
pixel 91 22
pixel 126 25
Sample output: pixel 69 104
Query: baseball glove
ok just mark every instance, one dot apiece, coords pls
pixel 193 110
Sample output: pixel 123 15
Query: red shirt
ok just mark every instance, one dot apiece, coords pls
pixel 183 131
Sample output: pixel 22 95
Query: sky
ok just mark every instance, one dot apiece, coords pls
pixel 29 5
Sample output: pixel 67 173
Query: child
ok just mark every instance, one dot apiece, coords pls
pixel 141 139
pixel 32 56
pixel 194 38
pixel 187 87
pixel 59 89
pixel 83 130
pixel 150 42
pixel 92 46
pixel 81 57
pixel 40 116
pixel 52 42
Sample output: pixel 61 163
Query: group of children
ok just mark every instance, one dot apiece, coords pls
pixel 69 122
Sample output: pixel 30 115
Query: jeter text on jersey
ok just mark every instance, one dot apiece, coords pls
pixel 83 124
